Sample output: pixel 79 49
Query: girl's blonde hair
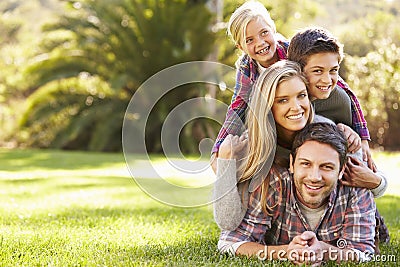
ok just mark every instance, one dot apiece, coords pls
pixel 251 10
pixel 259 119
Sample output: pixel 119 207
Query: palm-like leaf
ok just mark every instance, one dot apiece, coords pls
pixel 120 44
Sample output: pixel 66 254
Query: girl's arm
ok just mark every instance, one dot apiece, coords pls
pixel 235 115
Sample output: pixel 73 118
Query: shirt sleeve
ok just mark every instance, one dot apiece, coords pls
pixel 235 116
pixel 227 204
pixel 255 222
pixel 381 189
pixel 359 124
pixel 359 224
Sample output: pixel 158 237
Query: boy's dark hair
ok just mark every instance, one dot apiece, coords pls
pixel 311 41
pixel 325 133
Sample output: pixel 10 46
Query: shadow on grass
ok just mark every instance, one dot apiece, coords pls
pixel 151 215
pixel 20 160
pixel 68 183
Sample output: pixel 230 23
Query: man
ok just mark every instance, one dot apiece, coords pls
pixel 307 215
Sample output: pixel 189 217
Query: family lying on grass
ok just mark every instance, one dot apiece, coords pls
pixel 295 177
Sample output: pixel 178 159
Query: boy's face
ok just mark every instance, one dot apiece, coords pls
pixel 322 72
pixel 259 42
pixel 316 170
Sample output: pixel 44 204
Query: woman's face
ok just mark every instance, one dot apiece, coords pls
pixel 291 108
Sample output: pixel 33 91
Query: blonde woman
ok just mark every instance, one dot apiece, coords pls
pixel 280 107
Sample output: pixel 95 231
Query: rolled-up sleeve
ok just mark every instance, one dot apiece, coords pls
pixel 255 222
pixel 381 189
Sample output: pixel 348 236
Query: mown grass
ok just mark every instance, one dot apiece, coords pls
pixel 83 209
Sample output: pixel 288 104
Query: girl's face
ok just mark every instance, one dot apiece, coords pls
pixel 291 108
pixel 322 74
pixel 259 42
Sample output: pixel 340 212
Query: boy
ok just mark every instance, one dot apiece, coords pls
pixel 319 54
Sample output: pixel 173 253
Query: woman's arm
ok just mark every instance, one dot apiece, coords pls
pixel 228 207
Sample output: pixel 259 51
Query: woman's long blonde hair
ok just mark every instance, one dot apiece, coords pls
pixel 262 139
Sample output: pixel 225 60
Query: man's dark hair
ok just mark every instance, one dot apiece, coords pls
pixel 325 133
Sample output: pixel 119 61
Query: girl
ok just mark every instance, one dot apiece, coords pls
pixel 254 33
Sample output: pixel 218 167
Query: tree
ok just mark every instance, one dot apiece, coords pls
pixel 371 67
pixel 94 59
pixel 375 26
pixel 377 77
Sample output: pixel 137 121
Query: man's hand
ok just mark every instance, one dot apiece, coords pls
pixel 358 175
pixel 366 152
pixel 306 249
pixel 353 139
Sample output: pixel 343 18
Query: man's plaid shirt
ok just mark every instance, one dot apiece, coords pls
pixel 349 215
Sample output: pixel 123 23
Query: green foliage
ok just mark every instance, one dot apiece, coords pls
pixel 9 29
pixel 377 78
pixel 120 46
pixel 124 43
pixel 373 27
pixel 75 113
pixel 20 23
pixel 371 68
pixel 290 15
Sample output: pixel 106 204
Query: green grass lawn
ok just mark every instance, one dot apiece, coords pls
pixel 83 209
